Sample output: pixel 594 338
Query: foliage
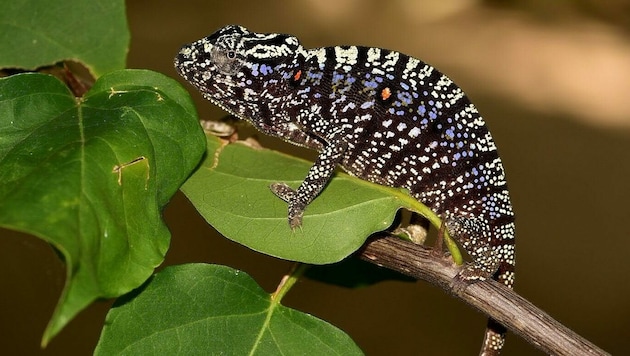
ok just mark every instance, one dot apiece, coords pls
pixel 39 33
pixel 90 174
pixel 181 312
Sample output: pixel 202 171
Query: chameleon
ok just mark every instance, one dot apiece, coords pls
pixel 382 116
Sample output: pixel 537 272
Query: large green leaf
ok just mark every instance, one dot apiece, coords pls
pixel 202 309
pixel 91 175
pixel 231 191
pixel 35 33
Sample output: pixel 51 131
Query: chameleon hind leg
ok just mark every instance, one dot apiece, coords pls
pixel 487 263
pixel 472 235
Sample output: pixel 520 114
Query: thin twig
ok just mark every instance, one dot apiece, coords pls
pixel 489 297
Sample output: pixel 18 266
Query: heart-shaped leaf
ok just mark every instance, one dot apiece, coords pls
pixel 231 191
pixel 91 175
pixel 36 33
pixel 200 309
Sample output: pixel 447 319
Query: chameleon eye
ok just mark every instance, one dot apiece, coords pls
pixel 231 54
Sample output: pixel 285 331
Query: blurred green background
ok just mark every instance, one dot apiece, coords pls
pixel 552 80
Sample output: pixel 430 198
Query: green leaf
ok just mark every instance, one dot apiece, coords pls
pixel 35 33
pixel 200 309
pixel 91 175
pixel 234 197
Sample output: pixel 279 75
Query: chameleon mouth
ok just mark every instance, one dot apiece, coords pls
pixel 183 62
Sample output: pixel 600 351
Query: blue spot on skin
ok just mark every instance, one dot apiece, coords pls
pixel 337 77
pixel 305 90
pixel 432 115
pixel 255 69
pixel 379 79
pixel 405 98
pixel 422 110
pixel 450 133
pixel 457 156
pixel 351 80
pixel 370 84
pixel 404 86
pixel 367 105
pixel 315 75
pixel 265 69
pixel 400 113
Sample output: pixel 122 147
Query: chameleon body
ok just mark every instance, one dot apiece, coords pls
pixel 381 115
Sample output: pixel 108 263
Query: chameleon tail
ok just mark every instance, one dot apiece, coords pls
pixel 494 337
pixel 493 340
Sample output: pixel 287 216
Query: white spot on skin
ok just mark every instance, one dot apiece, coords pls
pixel 345 56
pixel 391 59
pixel 415 132
pixel 373 55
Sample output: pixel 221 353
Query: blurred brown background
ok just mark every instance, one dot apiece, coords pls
pixel 552 80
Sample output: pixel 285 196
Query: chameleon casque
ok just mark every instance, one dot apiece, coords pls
pixel 381 115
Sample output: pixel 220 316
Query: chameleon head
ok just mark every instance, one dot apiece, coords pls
pixel 237 69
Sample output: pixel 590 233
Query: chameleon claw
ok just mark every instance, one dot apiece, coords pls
pixel 286 193
pixel 295 215
pixel 282 191
pixel 295 222
pixel 467 276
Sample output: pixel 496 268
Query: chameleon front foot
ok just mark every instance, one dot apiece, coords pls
pixel 289 195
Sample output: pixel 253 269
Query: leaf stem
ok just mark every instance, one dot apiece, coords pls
pixel 414 205
pixel 288 280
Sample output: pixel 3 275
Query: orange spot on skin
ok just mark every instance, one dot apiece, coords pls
pixel 386 93
pixel 297 75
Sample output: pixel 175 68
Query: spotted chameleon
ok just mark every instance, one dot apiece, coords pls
pixel 381 115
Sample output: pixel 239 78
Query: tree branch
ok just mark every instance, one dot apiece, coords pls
pixel 489 297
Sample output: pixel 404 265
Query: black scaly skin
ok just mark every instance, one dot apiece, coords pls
pixel 384 117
